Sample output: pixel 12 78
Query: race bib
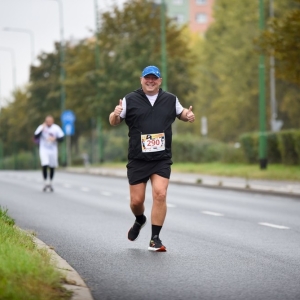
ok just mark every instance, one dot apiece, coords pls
pixel 153 142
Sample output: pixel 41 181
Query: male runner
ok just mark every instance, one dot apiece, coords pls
pixel 149 113
pixel 48 134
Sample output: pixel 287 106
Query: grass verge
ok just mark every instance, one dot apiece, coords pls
pixel 273 172
pixel 26 272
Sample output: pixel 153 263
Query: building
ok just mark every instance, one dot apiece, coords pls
pixel 196 13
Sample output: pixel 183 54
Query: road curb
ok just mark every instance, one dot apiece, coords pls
pixel 243 190
pixel 74 282
pixel 249 190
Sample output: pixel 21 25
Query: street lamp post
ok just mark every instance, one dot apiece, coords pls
pixel 62 55
pixel 62 72
pixel 97 57
pixel 30 32
pixel 262 105
pixel 163 45
pixel 13 61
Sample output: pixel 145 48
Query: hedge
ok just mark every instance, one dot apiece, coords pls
pixel 185 148
pixel 282 147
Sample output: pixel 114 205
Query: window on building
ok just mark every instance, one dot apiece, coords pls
pixel 177 2
pixel 201 2
pixel 179 18
pixel 201 18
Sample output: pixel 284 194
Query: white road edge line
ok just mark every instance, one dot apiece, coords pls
pixel 85 189
pixel 273 225
pixel 211 213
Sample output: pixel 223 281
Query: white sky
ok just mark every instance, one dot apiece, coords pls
pixel 42 18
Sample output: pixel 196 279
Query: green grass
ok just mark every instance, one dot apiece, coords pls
pixel 273 172
pixel 25 271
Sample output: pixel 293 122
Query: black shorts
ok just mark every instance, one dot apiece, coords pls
pixel 139 171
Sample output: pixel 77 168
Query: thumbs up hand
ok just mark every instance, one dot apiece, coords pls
pixel 118 109
pixel 190 115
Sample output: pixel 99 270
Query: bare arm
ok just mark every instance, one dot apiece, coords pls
pixel 187 115
pixel 114 117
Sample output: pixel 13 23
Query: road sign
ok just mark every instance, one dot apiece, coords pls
pixel 68 121
pixel 69 128
pixel 68 117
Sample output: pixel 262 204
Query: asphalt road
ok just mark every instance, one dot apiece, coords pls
pixel 221 244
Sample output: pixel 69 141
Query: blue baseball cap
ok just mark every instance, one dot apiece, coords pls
pixel 151 70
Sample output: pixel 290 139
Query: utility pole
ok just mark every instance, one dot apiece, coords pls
pixel 97 57
pixel 163 45
pixel 262 105
pixel 272 81
pixel 275 124
pixel 62 73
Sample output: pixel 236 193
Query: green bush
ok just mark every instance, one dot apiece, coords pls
pixel 282 147
pixel 188 148
pixel 287 147
pixel 21 161
pixel 297 143
pixel 115 148
pixel 231 154
pixel 273 152
pixel 249 143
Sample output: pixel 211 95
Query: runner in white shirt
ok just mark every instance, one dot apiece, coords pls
pixel 48 135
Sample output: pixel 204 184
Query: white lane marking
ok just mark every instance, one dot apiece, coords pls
pixel 171 205
pixel 66 185
pixel 106 194
pixel 273 225
pixel 212 213
pixel 84 189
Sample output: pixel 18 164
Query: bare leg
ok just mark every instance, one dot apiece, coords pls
pixel 159 193
pixel 137 198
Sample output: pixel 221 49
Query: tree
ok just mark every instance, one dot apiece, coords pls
pixel 228 71
pixel 281 40
pixel 16 132
pixel 129 40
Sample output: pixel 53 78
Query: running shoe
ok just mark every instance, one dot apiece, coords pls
pixel 156 245
pixel 134 231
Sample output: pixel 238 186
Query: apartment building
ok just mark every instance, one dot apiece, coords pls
pixel 196 13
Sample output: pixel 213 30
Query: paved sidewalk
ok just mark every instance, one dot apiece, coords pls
pixel 290 188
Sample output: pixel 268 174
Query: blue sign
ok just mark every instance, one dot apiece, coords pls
pixel 68 118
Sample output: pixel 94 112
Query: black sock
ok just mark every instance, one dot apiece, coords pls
pixel 45 168
pixel 140 219
pixel 155 230
pixel 51 173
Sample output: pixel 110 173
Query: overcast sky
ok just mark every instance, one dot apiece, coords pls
pixel 42 18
